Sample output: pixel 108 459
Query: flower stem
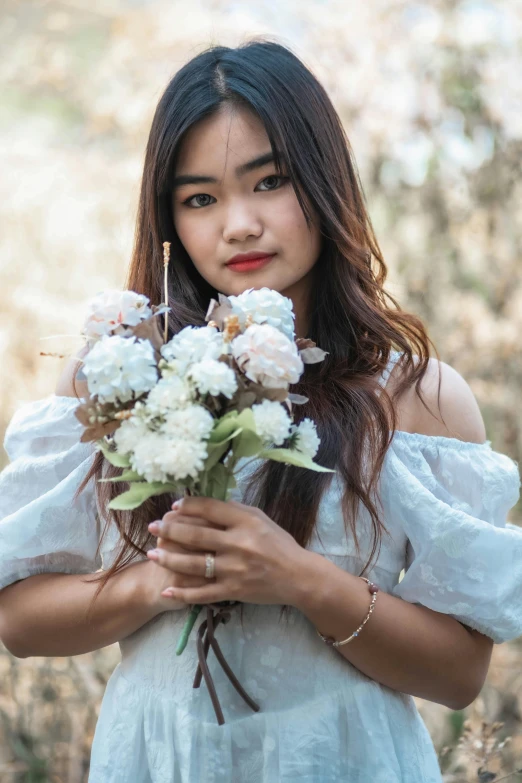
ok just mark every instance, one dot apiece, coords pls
pixel 166 259
pixel 187 628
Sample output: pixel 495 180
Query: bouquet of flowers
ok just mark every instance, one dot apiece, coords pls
pixel 177 416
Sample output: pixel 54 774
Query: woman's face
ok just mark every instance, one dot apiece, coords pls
pixel 229 199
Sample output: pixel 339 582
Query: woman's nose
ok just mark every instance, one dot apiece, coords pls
pixel 241 223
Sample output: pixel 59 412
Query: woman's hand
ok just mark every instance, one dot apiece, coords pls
pixel 158 579
pixel 256 561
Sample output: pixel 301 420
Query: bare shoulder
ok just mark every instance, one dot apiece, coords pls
pixel 68 385
pixel 450 408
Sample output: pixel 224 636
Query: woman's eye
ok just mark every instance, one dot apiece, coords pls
pixel 189 201
pixel 273 182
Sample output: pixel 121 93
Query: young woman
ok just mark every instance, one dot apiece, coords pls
pixel 247 156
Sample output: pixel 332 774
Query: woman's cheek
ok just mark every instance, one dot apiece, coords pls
pixel 294 234
pixel 197 237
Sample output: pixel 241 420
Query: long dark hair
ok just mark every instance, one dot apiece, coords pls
pixel 351 315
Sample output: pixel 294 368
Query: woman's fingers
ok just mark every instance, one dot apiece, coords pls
pixel 199 537
pixel 188 564
pixel 219 512
pixel 176 578
pixel 174 516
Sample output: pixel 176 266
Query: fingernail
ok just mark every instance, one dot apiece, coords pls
pixel 153 554
pixel 168 593
pixel 176 505
pixel 154 527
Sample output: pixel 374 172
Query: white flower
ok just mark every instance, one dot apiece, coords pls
pixel 191 423
pixel 193 344
pixel 158 457
pixel 267 357
pixel 307 441
pixel 213 377
pixel 176 451
pixel 110 312
pixel 170 393
pixel 120 368
pixel 145 457
pixel 182 458
pixel 272 422
pixel 265 306
pixel 129 433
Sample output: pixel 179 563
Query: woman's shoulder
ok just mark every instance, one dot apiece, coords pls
pixel 446 406
pixel 69 385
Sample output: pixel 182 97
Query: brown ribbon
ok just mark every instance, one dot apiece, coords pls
pixel 216 614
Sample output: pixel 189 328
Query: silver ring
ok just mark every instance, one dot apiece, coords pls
pixel 210 561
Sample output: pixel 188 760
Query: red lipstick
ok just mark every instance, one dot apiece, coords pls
pixel 247 262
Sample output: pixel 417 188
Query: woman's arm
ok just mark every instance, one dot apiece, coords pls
pixel 404 646
pixel 46 614
pixel 407 646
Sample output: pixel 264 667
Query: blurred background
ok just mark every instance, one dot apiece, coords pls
pixel 431 97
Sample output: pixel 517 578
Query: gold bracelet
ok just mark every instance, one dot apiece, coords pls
pixel 330 641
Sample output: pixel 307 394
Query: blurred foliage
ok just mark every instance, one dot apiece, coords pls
pixel 431 99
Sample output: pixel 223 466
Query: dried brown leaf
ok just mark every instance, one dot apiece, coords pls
pixel 304 342
pixel 277 395
pixel 218 311
pixel 97 431
pixel 245 400
pixel 150 330
pixel 94 430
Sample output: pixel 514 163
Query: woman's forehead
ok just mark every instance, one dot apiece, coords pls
pixel 219 144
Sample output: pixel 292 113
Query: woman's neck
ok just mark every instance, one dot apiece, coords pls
pixel 301 295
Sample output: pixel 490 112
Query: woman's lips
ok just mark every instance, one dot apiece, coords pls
pixel 251 264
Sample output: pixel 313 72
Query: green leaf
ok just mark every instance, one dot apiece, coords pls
pixel 247 444
pixel 294 457
pixel 118 460
pixel 140 492
pixel 246 420
pixel 218 482
pixel 215 452
pixel 224 428
pixel 202 485
pixel 127 475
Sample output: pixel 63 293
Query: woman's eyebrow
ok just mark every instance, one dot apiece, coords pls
pixel 244 168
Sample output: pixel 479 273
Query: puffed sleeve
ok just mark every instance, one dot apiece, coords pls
pixel 463 558
pixel 43 527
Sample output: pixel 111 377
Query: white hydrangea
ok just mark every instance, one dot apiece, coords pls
pixel 272 422
pixel 267 357
pixel 265 306
pixel 111 311
pixel 120 368
pixel 307 441
pixel 213 377
pixel 176 451
pixel 182 458
pixel 193 344
pixel 192 423
pixel 170 393
pixel 145 457
pixel 158 457
pixel 129 433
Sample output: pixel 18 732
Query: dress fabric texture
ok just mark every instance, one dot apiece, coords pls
pixel 321 720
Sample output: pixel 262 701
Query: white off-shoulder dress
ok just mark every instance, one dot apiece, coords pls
pixel 321 720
